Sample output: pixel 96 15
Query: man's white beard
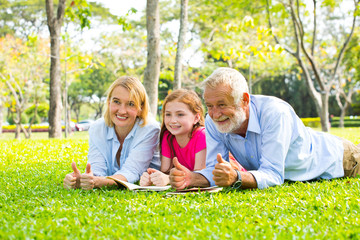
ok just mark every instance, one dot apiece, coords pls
pixel 233 124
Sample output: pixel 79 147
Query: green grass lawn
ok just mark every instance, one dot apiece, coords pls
pixel 34 205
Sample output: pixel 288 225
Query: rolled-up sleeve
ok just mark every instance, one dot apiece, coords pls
pixel 140 153
pixel 276 139
pixel 97 160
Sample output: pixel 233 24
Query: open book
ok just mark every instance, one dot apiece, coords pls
pixel 195 190
pixel 134 187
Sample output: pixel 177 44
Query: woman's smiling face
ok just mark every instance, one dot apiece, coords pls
pixel 123 111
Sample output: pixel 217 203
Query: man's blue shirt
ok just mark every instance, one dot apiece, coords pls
pixel 277 146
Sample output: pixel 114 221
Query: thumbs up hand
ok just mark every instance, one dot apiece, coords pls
pixel 72 180
pixel 179 175
pixel 87 180
pixel 224 174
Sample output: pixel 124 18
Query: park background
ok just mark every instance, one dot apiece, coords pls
pixel 281 47
pixel 304 53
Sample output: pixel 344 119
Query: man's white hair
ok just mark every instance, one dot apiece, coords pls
pixel 229 77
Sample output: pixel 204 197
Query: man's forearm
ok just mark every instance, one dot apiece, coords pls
pixel 198 180
pixel 248 180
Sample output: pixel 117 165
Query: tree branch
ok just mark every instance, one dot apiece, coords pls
pixel 287 49
pixel 314 32
pixel 341 53
pixel 310 58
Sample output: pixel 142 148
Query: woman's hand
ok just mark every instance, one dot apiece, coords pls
pixel 87 180
pixel 72 180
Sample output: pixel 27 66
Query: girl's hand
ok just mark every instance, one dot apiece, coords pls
pixel 145 180
pixel 87 180
pixel 159 179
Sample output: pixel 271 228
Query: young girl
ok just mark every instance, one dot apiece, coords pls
pixel 122 144
pixel 182 135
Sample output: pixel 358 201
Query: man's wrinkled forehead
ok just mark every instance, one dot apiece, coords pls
pixel 219 93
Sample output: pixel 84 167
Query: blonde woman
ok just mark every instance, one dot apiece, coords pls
pixel 123 143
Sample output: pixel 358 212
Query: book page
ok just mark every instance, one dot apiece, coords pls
pixel 135 187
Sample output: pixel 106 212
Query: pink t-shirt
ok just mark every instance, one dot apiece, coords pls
pixel 186 155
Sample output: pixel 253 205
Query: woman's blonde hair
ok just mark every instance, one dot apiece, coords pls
pixel 137 94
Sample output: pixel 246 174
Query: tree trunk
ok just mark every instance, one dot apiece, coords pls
pixel 181 43
pixel 20 102
pixel 17 131
pixel 17 123
pixel 68 121
pixel 29 131
pixel 324 116
pixel 152 71
pixel 341 120
pixel 54 25
pixel 345 106
pixel 320 96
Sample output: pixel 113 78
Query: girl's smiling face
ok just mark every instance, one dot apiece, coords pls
pixel 179 120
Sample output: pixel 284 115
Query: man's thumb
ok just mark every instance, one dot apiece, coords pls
pixel 178 165
pixel 88 168
pixel 219 158
pixel 75 169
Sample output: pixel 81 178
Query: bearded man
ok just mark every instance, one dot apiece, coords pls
pixel 266 137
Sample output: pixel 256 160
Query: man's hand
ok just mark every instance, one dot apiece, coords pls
pixel 87 180
pixel 180 176
pixel 224 174
pixel 72 180
pixel 159 179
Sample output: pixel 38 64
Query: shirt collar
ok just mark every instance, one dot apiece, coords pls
pixel 112 134
pixel 253 119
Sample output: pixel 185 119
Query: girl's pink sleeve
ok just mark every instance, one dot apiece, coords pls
pixel 165 148
pixel 200 142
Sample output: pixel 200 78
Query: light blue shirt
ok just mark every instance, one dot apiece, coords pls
pixel 138 151
pixel 277 146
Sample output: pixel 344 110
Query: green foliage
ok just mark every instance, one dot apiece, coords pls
pixel 311 122
pixel 24 118
pixel 356 108
pixel 34 204
pixel 96 81
pixel 124 22
pixel 42 110
pixel 289 88
pixel 79 10
pixel 351 58
pixel 36 120
pixel 353 121
pixel 21 17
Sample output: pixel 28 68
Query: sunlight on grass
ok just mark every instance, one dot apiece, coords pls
pixel 34 204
